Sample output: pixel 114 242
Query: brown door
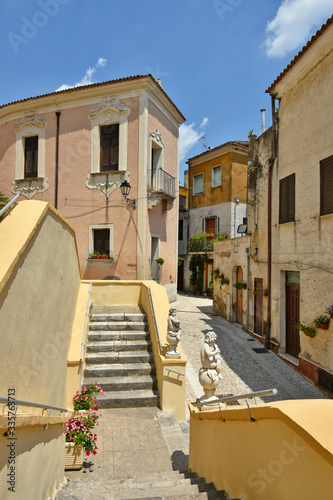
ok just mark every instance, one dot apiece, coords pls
pixel 239 300
pixel 180 280
pixel 292 318
pixel 210 226
pixel 258 307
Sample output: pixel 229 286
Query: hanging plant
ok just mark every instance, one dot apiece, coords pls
pixel 329 310
pixel 240 285
pixel 309 331
pixel 160 261
pixel 322 322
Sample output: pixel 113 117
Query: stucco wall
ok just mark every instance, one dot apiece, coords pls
pixel 39 287
pixel 305 245
pixel 285 453
pixel 230 216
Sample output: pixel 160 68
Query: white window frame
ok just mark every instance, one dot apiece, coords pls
pixel 110 111
pixel 92 227
pixel 30 125
pixel 213 178
pixel 194 176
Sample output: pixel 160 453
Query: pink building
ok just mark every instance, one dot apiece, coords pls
pixel 75 148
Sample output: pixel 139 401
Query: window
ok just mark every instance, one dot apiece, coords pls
pixel 109 147
pixel 287 199
pixel 31 157
pixel 198 184
pixel 210 225
pixel 326 186
pixel 102 241
pixel 217 176
pixel 180 230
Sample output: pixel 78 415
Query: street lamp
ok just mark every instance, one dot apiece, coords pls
pixel 125 189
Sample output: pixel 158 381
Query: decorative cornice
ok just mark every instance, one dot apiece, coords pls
pixel 30 187
pixel 107 182
pixel 30 121
pixel 110 107
pixel 156 136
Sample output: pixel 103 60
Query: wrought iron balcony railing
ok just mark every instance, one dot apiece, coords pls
pixel 159 181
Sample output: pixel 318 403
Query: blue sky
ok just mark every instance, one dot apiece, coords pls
pixel 216 58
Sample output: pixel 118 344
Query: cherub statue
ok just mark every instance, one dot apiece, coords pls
pixel 210 373
pixel 173 334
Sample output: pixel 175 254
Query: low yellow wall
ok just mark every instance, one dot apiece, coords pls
pixel 171 386
pixel 287 453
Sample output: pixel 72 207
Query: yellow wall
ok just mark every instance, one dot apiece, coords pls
pixel 40 279
pixel 287 453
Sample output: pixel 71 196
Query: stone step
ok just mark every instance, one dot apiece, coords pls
pixel 119 325
pixel 119 357
pixel 128 399
pixel 125 382
pixel 117 335
pixel 118 370
pixel 119 345
pixel 107 317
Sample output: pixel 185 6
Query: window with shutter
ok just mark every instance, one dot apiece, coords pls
pixel 102 241
pixel 109 147
pixel 287 199
pixel 198 184
pixel 217 176
pixel 326 186
pixel 31 157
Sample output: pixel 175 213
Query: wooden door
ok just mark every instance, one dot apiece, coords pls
pixel 292 318
pixel 180 280
pixel 258 283
pixel 239 299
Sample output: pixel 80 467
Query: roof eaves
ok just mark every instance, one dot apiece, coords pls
pixel 235 143
pixel 300 54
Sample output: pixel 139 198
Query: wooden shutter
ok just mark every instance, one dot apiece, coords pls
pixel 31 157
pixel 287 199
pixel 326 186
pixel 109 146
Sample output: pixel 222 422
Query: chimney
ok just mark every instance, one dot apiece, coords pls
pixel 263 125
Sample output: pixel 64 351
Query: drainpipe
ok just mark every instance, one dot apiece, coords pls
pixel 57 162
pixel 263 124
pixel 269 227
pixel 248 286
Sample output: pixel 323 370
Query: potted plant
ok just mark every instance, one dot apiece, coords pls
pixel 210 235
pixel 79 435
pixel 240 285
pixel 309 331
pixel 264 292
pixel 94 255
pixel 160 261
pixel 256 291
pixel 104 256
pixel 329 310
pixel 322 322
pixel 216 272
pixel 224 280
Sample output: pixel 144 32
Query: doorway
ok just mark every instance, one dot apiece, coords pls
pixel 208 275
pixel 154 255
pixel 258 284
pixel 292 313
pixel 239 297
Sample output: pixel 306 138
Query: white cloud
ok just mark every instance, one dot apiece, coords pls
pixel 295 22
pixel 88 77
pixel 188 137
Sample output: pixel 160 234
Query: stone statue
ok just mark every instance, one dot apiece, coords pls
pixel 173 335
pixel 210 372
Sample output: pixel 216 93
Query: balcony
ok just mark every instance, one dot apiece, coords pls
pixel 161 188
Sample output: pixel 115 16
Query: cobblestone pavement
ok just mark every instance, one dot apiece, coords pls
pixel 243 369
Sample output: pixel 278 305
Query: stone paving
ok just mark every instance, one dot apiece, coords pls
pixel 243 369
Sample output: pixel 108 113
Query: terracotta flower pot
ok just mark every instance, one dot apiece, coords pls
pixel 323 326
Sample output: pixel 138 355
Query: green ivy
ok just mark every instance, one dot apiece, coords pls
pixel 197 267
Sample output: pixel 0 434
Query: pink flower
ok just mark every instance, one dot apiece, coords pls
pixel 94 452
pixel 70 438
pixel 87 453
pixel 95 438
pixel 102 393
pixel 95 408
pixel 100 414
pixel 95 383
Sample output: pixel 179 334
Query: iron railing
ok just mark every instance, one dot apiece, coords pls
pixel 3 210
pixel 20 402
pixel 250 395
pixel 160 181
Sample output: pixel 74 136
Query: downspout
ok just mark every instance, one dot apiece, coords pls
pixel 269 228
pixel 57 162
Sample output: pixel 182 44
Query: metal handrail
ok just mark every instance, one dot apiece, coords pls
pixel 158 332
pixel 250 395
pixel 20 402
pixel 85 323
pixel 174 371
pixel 9 204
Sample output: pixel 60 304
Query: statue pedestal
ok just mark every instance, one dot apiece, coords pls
pixel 173 353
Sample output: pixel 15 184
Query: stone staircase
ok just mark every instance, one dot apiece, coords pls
pixel 119 357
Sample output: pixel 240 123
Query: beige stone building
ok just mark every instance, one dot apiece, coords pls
pixel 290 218
pixel 76 147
